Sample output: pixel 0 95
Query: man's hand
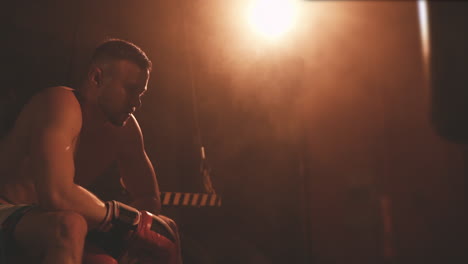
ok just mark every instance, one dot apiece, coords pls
pixel 137 234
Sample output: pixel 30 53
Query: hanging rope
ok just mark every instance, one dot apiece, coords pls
pixel 204 168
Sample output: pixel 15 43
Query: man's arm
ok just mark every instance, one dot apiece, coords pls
pixel 136 169
pixel 55 126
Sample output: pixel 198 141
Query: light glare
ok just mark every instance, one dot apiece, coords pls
pixel 272 18
pixel 424 27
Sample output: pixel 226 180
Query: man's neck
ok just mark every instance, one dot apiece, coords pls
pixel 93 117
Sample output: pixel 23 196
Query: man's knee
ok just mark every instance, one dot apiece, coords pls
pixel 39 231
pixel 66 226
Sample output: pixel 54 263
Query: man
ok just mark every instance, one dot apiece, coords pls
pixel 63 139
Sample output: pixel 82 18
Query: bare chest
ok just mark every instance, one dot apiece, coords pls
pixel 94 154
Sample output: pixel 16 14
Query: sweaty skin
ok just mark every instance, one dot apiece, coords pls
pixel 59 144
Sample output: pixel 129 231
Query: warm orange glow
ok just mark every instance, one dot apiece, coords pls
pixel 272 18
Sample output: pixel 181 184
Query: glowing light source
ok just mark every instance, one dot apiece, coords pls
pixel 272 18
pixel 424 35
pixel 424 27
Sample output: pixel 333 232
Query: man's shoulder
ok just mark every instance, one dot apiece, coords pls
pixel 57 93
pixel 56 97
pixel 54 103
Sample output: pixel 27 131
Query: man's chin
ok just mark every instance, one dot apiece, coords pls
pixel 119 123
pixel 118 120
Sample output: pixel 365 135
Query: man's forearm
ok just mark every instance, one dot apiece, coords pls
pixel 151 204
pixel 77 199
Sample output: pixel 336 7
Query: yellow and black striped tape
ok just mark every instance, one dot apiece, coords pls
pixel 190 199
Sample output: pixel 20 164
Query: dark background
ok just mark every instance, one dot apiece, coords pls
pixel 337 145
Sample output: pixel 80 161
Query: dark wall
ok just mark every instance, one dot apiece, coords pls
pixel 324 147
pixel 385 186
pixel 37 48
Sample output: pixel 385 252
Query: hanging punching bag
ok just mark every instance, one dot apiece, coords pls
pixel 448 41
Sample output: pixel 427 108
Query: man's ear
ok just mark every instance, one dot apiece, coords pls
pixel 95 75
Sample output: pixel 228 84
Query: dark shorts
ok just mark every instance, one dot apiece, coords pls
pixel 9 216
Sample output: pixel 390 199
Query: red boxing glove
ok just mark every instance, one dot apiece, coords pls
pixel 127 232
pixel 96 255
pixel 155 241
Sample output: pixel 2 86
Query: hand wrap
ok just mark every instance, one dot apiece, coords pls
pixel 125 231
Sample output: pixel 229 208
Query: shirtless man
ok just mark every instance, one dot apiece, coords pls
pixel 62 140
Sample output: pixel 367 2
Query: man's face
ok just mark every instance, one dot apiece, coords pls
pixel 120 94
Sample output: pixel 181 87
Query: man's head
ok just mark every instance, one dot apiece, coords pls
pixel 118 76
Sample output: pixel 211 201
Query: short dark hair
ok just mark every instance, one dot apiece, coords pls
pixel 119 49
